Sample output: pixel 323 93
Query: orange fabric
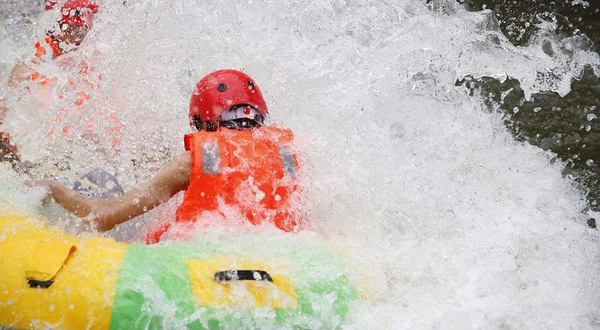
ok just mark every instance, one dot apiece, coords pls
pixel 40 50
pixel 82 89
pixel 56 51
pixel 154 235
pixel 251 176
pixel 40 56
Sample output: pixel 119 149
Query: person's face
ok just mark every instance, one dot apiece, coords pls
pixel 71 34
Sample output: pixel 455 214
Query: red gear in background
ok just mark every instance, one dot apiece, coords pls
pixel 76 12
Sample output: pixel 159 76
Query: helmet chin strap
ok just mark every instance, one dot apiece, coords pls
pixel 241 124
pixel 240 117
pixel 204 125
pixel 211 126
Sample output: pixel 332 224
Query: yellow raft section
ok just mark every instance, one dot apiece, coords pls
pixel 33 257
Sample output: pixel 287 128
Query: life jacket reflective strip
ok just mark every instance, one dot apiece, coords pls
pixel 255 171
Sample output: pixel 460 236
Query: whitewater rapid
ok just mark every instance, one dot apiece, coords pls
pixel 454 224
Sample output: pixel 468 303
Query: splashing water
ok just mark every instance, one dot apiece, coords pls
pixel 454 224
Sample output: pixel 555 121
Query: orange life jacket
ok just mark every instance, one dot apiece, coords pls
pixel 255 171
pixel 42 54
pixel 83 89
pixel 50 50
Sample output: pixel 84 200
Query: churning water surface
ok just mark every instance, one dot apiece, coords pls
pixel 454 223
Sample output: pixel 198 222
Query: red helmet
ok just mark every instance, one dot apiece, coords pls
pixel 76 12
pixel 222 90
pixel 50 4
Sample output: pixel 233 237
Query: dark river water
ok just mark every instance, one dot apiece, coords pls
pixel 568 126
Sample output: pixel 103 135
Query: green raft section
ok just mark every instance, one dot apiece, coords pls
pixel 221 279
pixel 173 286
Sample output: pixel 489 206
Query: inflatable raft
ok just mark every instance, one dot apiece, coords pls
pixel 49 279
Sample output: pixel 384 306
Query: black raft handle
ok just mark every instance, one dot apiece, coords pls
pixel 242 275
pixel 39 284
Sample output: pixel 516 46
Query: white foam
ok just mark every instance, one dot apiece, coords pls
pixel 462 226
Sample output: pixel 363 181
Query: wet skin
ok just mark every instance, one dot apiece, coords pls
pixel 70 34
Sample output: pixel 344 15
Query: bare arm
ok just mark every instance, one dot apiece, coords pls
pixel 3 109
pixel 107 213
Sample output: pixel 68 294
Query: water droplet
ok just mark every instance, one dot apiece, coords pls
pixel 260 195
pixel 51 308
pixel 537 109
pixel 516 109
pixel 68 290
pixel 588 128
pixel 277 198
pixel 591 117
pixel 589 162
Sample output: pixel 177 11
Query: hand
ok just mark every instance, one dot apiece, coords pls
pixel 48 184
pixel 102 225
